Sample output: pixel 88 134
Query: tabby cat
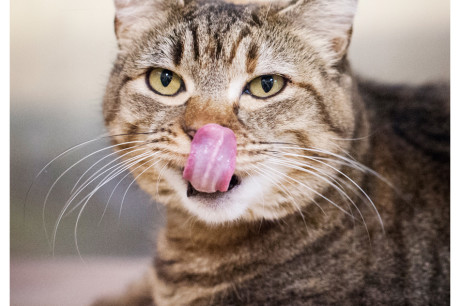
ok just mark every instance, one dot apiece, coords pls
pixel 286 180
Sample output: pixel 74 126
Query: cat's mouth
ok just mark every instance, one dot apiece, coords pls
pixel 218 206
pixel 209 176
pixel 192 192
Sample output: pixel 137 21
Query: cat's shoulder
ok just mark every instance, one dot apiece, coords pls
pixel 418 114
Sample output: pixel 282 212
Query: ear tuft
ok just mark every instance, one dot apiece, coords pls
pixel 328 23
pixel 132 16
pixel 129 14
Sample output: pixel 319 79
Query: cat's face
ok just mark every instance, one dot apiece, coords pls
pixel 267 71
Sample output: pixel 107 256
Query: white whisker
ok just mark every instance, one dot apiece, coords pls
pixel 88 197
pixel 348 178
pixel 291 164
pixel 311 189
pixel 132 182
pixel 56 158
pixel 102 137
pixel 266 173
pixel 344 151
pixel 359 188
pixel 357 138
pixel 350 161
pixel 262 172
pixel 297 187
pixel 98 172
pixel 59 178
pixel 119 168
pixel 97 162
pixel 105 180
pixel 113 191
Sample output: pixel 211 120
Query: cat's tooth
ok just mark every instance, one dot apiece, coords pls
pixel 212 159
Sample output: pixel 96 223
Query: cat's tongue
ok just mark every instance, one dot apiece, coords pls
pixel 212 159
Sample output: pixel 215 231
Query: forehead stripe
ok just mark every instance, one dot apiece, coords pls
pixel 243 33
pixel 196 46
pixel 178 52
pixel 252 57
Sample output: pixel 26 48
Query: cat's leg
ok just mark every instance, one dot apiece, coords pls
pixel 138 293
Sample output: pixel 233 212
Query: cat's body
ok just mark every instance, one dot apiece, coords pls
pixel 294 246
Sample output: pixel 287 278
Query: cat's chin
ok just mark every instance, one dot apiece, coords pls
pixel 215 208
pixel 218 207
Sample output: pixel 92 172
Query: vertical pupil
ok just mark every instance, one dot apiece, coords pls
pixel 166 77
pixel 267 82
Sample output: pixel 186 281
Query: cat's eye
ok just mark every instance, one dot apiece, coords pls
pixel 164 82
pixel 266 86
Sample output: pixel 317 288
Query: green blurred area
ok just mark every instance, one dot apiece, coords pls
pixel 129 233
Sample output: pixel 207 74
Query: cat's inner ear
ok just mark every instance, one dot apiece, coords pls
pixel 327 23
pixel 131 16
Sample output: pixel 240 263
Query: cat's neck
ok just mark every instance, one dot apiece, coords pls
pixel 186 234
pixel 181 226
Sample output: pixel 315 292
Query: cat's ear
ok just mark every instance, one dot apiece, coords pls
pixel 133 16
pixel 328 24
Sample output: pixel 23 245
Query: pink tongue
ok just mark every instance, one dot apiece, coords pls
pixel 212 159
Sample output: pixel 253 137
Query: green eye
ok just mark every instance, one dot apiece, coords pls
pixel 164 82
pixel 266 86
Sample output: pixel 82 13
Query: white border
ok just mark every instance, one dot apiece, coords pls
pixel 5 165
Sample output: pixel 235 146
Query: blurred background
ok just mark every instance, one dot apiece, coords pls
pixel 61 55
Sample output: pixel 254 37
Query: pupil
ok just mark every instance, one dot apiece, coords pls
pixel 267 82
pixel 166 77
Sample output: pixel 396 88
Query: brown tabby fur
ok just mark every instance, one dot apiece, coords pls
pixel 290 246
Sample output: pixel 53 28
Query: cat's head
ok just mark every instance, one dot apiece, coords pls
pixel 273 72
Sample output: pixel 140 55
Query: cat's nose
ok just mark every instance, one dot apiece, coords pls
pixel 200 111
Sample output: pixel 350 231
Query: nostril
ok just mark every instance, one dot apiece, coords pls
pixel 190 133
pixel 233 182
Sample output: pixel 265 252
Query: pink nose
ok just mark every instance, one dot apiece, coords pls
pixel 212 159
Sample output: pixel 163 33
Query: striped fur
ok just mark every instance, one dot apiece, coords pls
pixel 287 235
